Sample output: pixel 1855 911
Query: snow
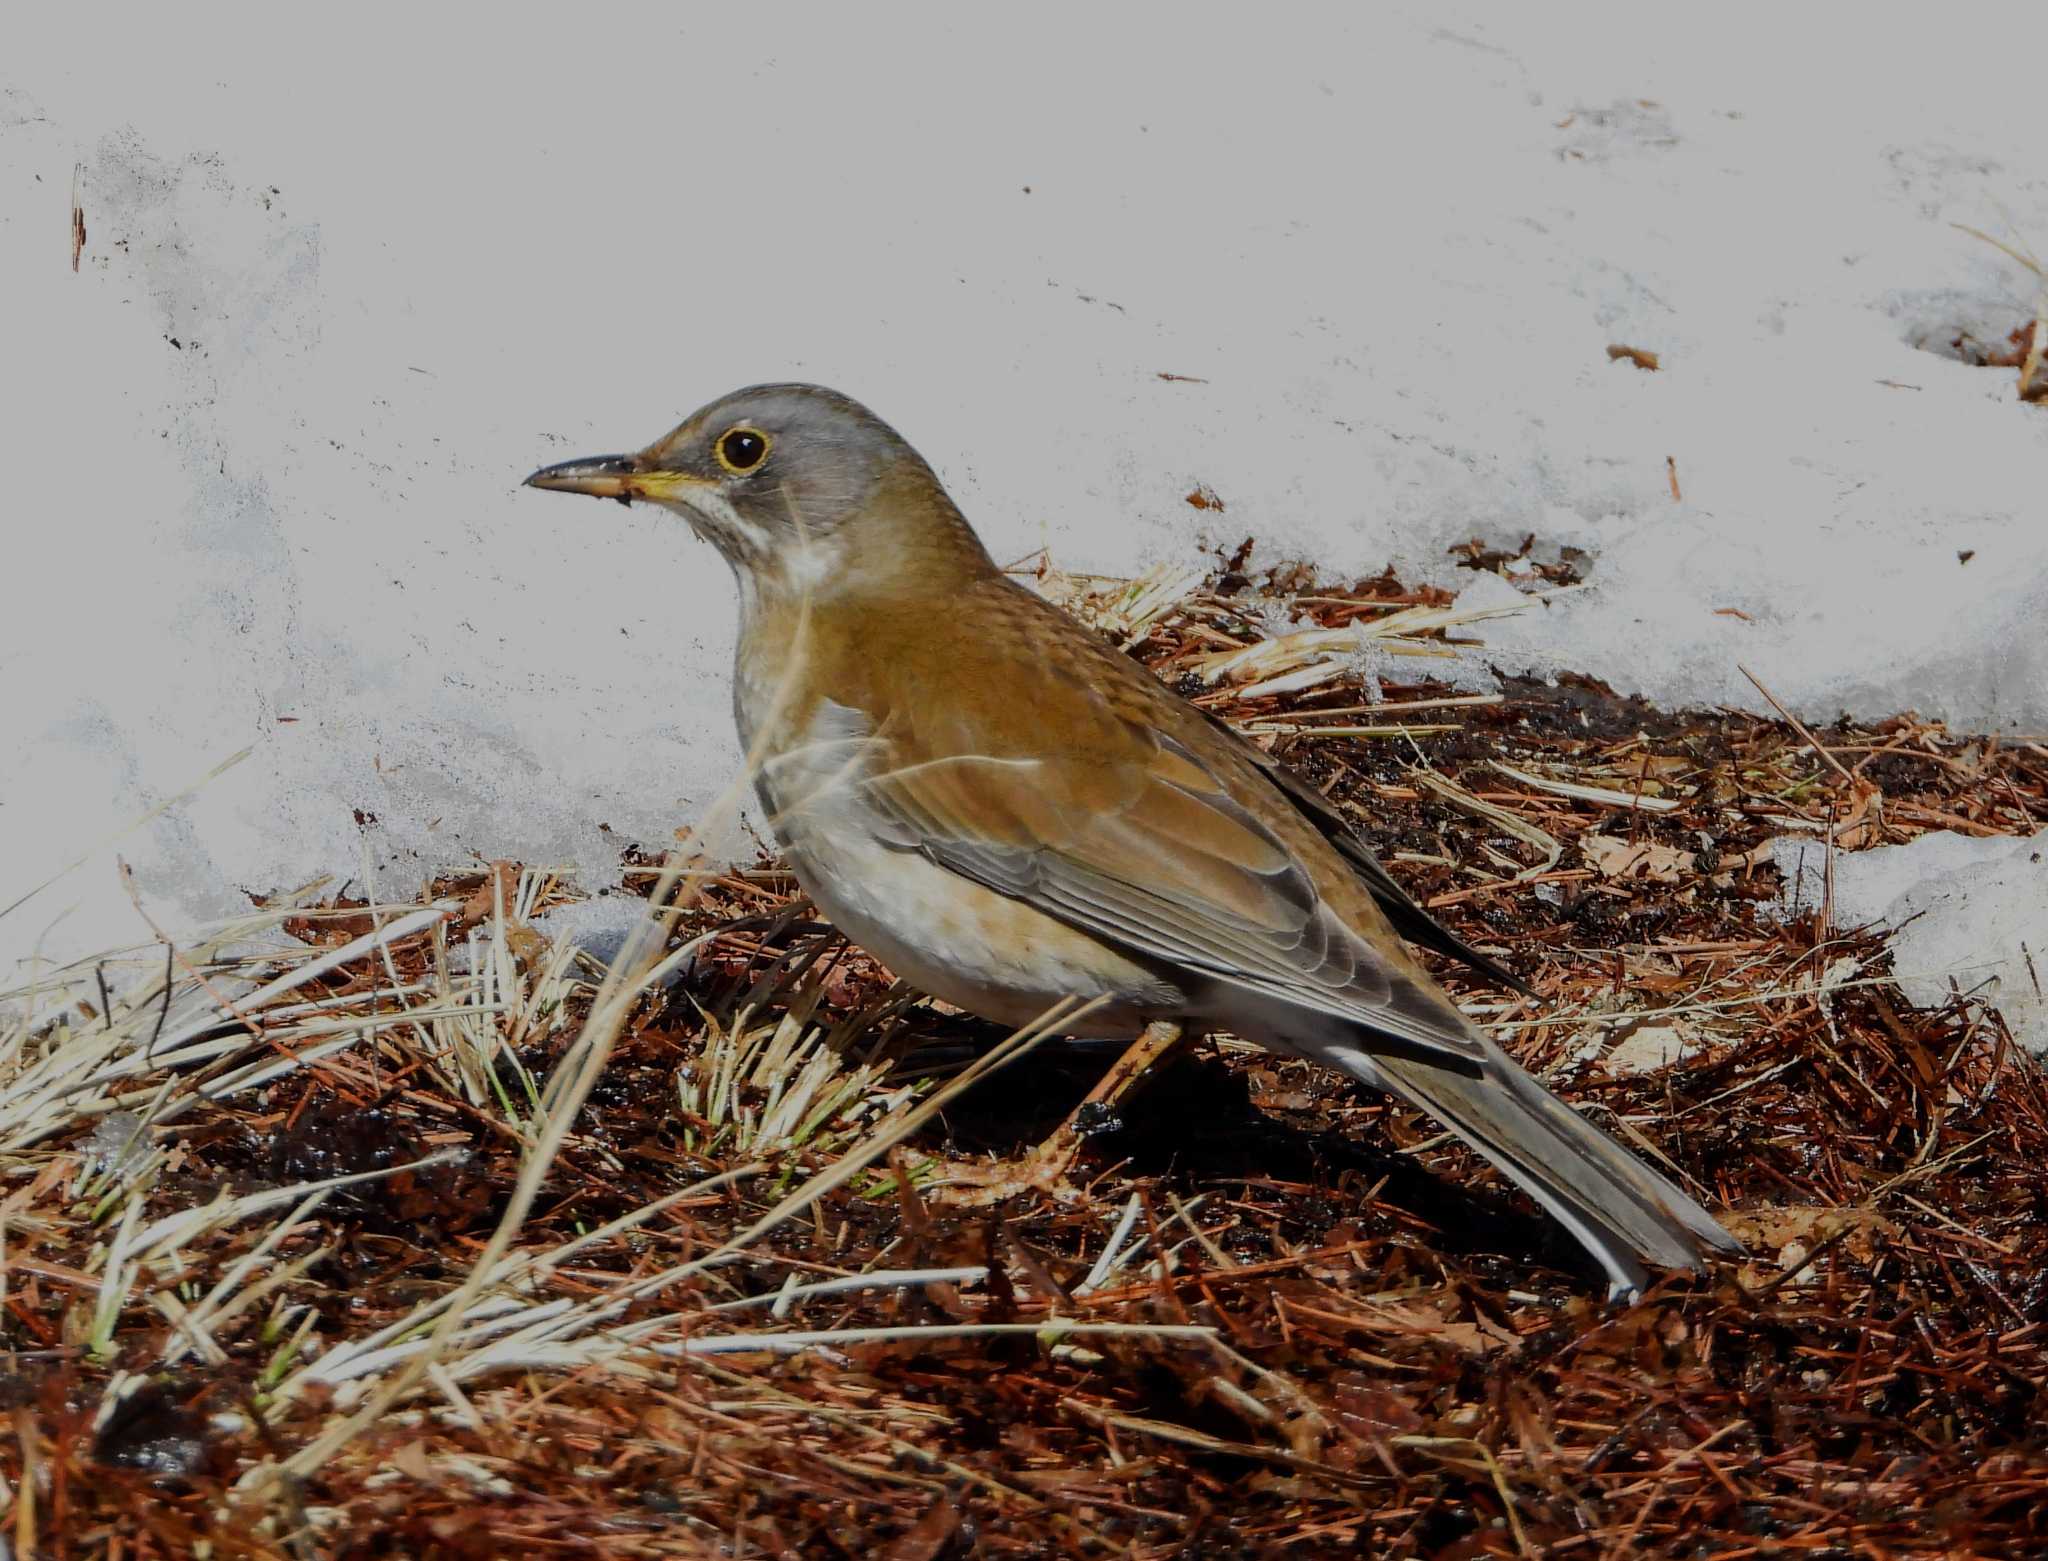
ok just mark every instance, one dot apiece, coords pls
pixel 599 926
pixel 119 1145
pixel 1966 915
pixel 348 276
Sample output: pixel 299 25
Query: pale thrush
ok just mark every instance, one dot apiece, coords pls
pixel 1007 812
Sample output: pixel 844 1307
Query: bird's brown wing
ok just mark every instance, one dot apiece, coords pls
pixel 1408 917
pixel 1126 833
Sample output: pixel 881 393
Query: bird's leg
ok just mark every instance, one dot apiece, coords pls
pixel 1045 1168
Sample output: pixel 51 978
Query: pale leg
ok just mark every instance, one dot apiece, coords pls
pixel 1045 1168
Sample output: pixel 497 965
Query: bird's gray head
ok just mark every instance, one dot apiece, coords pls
pixel 784 480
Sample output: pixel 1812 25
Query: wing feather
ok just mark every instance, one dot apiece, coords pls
pixel 1148 850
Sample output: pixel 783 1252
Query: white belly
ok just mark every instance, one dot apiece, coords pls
pixel 946 934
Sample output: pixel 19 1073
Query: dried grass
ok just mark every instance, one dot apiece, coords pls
pixel 270 1288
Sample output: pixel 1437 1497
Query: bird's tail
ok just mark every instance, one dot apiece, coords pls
pixel 1616 1205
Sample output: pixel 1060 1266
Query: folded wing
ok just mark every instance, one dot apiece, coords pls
pixel 1140 844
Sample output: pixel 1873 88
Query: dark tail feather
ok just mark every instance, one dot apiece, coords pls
pixel 1616 1205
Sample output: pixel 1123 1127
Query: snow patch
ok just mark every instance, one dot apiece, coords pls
pixel 598 926
pixel 1966 915
pixel 278 415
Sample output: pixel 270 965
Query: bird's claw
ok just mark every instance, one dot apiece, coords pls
pixel 1044 1170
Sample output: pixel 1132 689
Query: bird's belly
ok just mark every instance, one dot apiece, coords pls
pixel 961 942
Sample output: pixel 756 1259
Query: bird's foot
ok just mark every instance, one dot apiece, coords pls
pixel 1045 1170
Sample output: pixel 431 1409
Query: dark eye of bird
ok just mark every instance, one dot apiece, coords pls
pixel 742 450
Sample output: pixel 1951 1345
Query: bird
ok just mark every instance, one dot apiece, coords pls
pixel 1007 812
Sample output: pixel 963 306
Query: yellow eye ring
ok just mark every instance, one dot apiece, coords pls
pixel 742 450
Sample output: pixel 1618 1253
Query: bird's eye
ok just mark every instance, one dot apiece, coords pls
pixel 740 450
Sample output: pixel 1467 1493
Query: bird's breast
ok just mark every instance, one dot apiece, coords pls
pixel 946 934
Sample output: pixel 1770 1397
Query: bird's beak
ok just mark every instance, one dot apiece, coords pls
pixel 621 477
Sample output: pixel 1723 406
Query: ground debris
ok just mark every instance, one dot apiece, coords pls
pixel 1308 1327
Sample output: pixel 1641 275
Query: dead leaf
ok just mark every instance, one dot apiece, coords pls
pixel 930 1535
pixel 1642 859
pixel 411 1461
pixel 1649 1047
pixel 1794 1230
